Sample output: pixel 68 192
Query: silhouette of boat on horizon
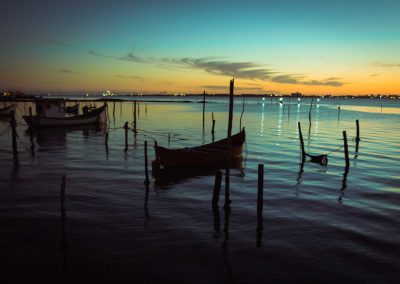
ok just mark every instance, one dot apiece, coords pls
pixel 199 157
pixel 53 113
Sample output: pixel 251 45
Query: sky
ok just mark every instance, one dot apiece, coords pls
pixel 314 47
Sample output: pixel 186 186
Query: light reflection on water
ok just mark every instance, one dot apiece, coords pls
pixel 310 212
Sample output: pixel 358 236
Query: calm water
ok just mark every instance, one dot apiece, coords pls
pixel 319 224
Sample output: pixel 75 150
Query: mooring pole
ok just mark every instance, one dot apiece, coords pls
pixel 62 211
pixel 260 191
pixel 106 141
pixel 146 171
pixel 346 149
pixel 228 152
pixel 217 189
pixel 134 117
pixel 126 135
pixel 204 105
pixel 13 125
pixel 303 152
pixel 213 123
pixel 358 131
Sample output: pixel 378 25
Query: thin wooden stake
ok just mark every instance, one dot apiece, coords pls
pixel 126 135
pixel 346 149
pixel 303 152
pixel 228 152
pixel 260 192
pixel 146 181
pixel 13 125
pixel 217 189
pixel 106 142
pixel 241 115
pixel 134 117
pixel 204 105
pixel 358 131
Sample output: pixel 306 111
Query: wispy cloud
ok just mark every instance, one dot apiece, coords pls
pixel 222 67
pixel 390 65
pixel 134 77
pixel 53 41
pixel 62 70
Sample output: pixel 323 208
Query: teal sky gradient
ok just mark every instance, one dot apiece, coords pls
pixel 71 41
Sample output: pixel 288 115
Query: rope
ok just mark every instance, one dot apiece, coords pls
pixel 5 130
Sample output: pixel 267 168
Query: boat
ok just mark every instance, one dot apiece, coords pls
pixel 72 109
pixel 6 111
pixel 52 113
pixel 201 156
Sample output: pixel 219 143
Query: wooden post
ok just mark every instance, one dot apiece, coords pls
pixel 241 115
pixel 13 124
pixel 358 131
pixel 228 152
pixel 260 192
pixel 126 135
pixel 106 142
pixel 213 124
pixel 146 181
pixel 204 105
pixel 346 149
pixel 62 211
pixel 134 117
pixel 30 111
pixel 303 152
pixel 217 189
pixel 309 113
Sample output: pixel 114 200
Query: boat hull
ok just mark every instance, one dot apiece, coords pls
pixel 205 155
pixel 7 110
pixel 89 118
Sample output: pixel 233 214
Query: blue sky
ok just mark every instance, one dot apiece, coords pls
pixel 66 43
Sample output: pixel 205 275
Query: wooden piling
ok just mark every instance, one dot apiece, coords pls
pixel 146 171
pixel 13 125
pixel 134 117
pixel 346 149
pixel 217 189
pixel 126 135
pixel 229 146
pixel 62 213
pixel 30 111
pixel 303 152
pixel 358 131
pixel 106 142
pixel 241 115
pixel 204 105
pixel 213 123
pixel 309 113
pixel 260 192
pixel 62 194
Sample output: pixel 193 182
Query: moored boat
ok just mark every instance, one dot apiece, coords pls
pixel 52 113
pixel 206 155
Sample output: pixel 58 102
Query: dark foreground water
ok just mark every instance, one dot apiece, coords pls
pixel 320 224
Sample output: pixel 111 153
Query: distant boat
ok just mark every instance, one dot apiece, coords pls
pixel 52 113
pixel 6 111
pixel 200 156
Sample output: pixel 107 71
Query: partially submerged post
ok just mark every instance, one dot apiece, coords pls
pixel 134 116
pixel 309 113
pixel 213 124
pixel 204 105
pixel 346 149
pixel 31 136
pixel 106 142
pixel 229 142
pixel 13 125
pixel 358 131
pixel 126 135
pixel 303 152
pixel 146 171
pixel 217 189
pixel 241 115
pixel 62 210
pixel 260 191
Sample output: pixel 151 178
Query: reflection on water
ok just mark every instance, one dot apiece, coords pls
pixel 121 230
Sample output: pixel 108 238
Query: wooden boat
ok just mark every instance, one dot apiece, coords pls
pixel 89 118
pixel 200 156
pixel 6 111
pixel 72 109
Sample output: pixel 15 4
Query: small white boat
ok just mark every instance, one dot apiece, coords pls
pixel 52 113
pixel 6 111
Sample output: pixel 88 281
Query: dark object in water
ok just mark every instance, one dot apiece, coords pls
pixel 6 111
pixel 199 156
pixel 320 159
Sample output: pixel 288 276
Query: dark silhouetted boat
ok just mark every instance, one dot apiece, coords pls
pixel 198 157
pixel 6 111
pixel 52 113
pixel 72 109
